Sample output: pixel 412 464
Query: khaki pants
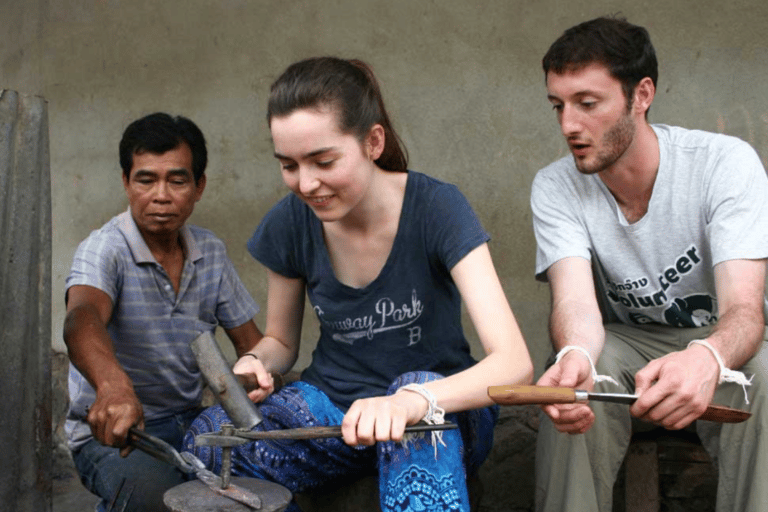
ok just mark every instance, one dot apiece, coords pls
pixel 577 472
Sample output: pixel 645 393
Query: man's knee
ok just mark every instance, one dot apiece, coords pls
pixel 137 481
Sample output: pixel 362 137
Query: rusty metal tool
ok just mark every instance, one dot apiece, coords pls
pixel 239 436
pixel 541 395
pixel 225 385
pixel 188 463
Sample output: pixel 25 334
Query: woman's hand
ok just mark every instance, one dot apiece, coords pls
pixel 382 418
pixel 253 369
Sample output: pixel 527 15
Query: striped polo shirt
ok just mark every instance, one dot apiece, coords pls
pixel 152 326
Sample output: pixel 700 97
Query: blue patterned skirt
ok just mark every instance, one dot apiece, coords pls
pixel 411 477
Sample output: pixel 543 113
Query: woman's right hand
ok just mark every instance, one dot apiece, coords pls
pixel 382 418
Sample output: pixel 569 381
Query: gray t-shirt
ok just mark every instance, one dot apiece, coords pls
pixel 709 204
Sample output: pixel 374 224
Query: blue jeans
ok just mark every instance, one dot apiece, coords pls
pixel 411 477
pixel 102 469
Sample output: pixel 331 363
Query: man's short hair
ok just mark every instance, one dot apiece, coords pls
pixel 623 48
pixel 158 133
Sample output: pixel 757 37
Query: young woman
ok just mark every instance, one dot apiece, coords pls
pixel 386 256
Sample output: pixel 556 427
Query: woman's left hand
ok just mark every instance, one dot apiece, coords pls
pixel 251 365
pixel 382 418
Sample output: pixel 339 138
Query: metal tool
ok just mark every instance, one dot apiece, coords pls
pixel 228 390
pixel 113 502
pixel 239 436
pixel 540 395
pixel 194 496
pixel 188 463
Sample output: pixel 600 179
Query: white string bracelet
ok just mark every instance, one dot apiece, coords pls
pixel 595 377
pixel 435 414
pixel 726 374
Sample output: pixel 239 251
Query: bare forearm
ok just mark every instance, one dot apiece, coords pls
pixel 244 337
pixel 275 355
pixel 572 323
pixel 740 288
pixel 469 388
pixel 90 349
pixel 738 334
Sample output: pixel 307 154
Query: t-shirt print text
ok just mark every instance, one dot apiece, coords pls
pixel 691 311
pixel 387 316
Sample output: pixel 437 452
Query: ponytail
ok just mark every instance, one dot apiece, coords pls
pixel 347 86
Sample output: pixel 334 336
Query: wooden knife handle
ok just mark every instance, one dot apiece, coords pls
pixel 521 395
pixel 541 395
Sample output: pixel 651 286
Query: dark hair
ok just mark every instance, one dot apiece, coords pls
pixel 625 49
pixel 349 87
pixel 158 133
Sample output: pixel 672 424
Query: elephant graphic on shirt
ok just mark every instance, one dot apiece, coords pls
pixel 692 311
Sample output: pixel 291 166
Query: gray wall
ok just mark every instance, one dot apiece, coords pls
pixel 461 79
pixel 25 282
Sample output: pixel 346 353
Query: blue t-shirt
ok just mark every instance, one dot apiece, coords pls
pixel 407 319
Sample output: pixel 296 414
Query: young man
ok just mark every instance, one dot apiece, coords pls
pixel 674 224
pixel 140 290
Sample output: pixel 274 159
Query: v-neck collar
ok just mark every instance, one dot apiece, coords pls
pixel 319 235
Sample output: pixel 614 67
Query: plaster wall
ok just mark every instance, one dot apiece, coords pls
pixel 462 81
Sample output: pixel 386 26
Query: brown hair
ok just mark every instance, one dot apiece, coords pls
pixel 625 49
pixel 349 87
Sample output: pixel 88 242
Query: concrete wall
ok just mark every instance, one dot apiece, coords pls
pixel 25 313
pixel 462 81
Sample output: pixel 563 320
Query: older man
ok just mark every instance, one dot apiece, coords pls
pixel 140 290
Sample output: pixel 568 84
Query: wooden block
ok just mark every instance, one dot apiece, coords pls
pixel 642 477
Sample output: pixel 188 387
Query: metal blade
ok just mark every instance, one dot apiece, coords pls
pixel 244 436
pixel 621 398
pixel 714 412
pixel 216 483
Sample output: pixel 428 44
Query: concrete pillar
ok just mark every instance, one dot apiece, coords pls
pixel 25 304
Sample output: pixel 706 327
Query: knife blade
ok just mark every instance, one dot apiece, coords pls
pixel 542 395
pixel 244 436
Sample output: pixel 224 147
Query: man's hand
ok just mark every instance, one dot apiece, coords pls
pixel 572 371
pixel 382 418
pixel 249 365
pixel 115 410
pixel 676 389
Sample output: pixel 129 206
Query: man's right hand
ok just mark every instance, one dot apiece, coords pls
pixel 115 410
pixel 572 371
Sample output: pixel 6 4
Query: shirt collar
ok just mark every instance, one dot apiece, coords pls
pixel 138 247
